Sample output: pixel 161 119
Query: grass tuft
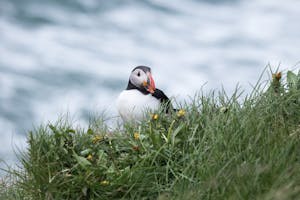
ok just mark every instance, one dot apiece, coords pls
pixel 218 147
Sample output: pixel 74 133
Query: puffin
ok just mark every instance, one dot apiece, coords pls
pixel 140 96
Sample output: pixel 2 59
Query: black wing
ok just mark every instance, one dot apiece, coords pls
pixel 163 99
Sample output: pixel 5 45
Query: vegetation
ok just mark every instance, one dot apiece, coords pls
pixel 218 147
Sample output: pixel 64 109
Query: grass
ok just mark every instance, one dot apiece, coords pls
pixel 217 147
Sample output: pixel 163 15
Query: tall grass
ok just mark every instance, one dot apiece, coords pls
pixel 217 147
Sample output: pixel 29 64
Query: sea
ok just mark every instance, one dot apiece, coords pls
pixel 73 57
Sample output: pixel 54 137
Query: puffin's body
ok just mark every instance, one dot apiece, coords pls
pixel 140 96
pixel 132 105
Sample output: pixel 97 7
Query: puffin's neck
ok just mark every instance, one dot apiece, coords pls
pixel 131 86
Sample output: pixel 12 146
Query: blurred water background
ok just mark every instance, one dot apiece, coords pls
pixel 59 56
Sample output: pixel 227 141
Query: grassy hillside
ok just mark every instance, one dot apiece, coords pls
pixel 218 147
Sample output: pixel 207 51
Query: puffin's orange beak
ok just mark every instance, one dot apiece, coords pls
pixel 149 85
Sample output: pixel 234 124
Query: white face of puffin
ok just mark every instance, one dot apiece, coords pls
pixel 142 79
pixel 138 77
pixel 132 104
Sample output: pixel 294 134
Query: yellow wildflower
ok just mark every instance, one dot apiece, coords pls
pixel 97 138
pixel 181 113
pixel 136 135
pixel 104 183
pixel 155 116
pixel 89 157
pixel 277 76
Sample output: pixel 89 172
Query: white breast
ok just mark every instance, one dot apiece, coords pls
pixel 132 105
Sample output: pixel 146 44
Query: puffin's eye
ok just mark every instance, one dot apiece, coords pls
pixel 139 74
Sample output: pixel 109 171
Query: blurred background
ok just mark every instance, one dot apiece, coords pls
pixel 75 56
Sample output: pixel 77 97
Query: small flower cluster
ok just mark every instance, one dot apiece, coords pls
pixel 277 76
pixel 89 157
pixel 155 117
pixel 97 138
pixel 136 136
pixel 104 182
pixel 181 113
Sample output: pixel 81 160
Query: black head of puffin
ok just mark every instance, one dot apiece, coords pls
pixel 141 79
